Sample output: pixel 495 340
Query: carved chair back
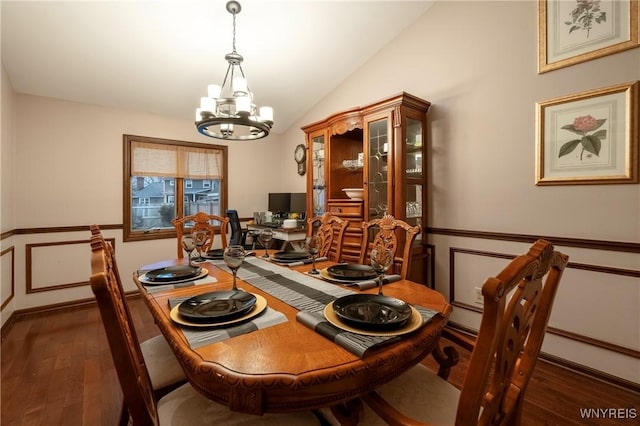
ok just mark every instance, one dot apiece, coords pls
pixel 391 233
pixel 121 334
pixel 330 229
pixel 201 221
pixel 510 336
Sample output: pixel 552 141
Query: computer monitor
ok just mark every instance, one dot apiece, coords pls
pixel 279 202
pixel 298 202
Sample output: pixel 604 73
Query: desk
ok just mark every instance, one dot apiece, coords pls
pixel 288 366
pixel 295 237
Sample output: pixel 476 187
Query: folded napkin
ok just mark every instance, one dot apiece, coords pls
pixel 367 284
pixel 355 343
pixel 306 262
pixel 156 288
pixel 197 337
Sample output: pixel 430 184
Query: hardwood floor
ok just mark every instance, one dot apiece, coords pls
pixel 57 370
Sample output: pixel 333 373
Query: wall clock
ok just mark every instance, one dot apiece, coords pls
pixel 300 155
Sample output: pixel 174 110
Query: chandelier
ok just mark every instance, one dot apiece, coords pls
pixel 228 112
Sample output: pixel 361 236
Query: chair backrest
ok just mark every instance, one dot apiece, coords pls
pixel 121 334
pixel 517 306
pixel 391 233
pixel 201 221
pixel 236 228
pixel 330 229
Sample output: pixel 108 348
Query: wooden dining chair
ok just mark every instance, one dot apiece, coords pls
pixel 517 306
pixel 165 372
pixel 201 221
pixel 331 230
pixel 182 406
pixel 391 233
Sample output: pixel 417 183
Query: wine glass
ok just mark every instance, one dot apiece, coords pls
pixel 233 257
pixel 381 261
pixel 265 238
pixel 189 245
pixel 312 244
pixel 200 238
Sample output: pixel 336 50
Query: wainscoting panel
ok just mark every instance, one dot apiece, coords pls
pixel 596 312
pixel 57 265
pixel 580 309
pixel 8 282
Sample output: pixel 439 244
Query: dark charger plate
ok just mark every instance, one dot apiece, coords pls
pixel 372 311
pixel 351 271
pixel 173 273
pixel 215 254
pixel 291 256
pixel 217 305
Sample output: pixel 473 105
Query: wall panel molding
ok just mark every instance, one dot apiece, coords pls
pixel 528 238
pixel 11 251
pixel 29 248
pixel 552 330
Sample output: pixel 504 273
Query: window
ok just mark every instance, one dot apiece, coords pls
pixel 166 178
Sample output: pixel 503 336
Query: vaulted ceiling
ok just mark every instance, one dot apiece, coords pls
pixel 159 56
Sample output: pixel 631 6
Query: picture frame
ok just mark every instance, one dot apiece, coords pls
pixel 589 137
pixel 573 31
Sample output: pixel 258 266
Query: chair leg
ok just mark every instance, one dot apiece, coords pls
pixel 348 413
pixel 124 415
pixel 446 357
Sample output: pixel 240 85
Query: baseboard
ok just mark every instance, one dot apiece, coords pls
pixel 39 310
pixel 564 363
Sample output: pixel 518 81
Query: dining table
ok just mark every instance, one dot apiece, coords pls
pixel 293 355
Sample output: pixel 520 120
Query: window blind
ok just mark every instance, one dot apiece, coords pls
pixel 152 159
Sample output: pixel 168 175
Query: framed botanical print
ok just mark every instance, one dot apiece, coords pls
pixel 589 138
pixel 574 31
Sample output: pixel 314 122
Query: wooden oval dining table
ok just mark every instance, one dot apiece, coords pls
pixel 289 366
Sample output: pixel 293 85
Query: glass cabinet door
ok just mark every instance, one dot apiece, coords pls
pixel 413 172
pixel 319 184
pixel 377 176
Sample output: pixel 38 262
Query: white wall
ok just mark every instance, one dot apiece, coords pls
pixel 476 62
pixel 7 186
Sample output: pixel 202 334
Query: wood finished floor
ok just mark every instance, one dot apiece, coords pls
pixel 57 370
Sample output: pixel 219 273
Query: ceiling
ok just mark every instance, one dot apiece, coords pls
pixel 159 56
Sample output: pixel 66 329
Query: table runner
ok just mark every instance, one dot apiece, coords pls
pixel 197 337
pixel 310 296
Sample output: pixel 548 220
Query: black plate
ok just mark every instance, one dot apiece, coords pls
pixel 351 271
pixel 372 311
pixel 214 254
pixel 217 305
pixel 173 273
pixel 291 256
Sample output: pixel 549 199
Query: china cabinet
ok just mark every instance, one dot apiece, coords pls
pixel 379 148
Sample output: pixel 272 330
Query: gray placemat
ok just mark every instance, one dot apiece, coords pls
pixel 197 337
pixel 355 343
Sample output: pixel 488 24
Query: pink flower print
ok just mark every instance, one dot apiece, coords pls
pixel 585 123
pixel 591 143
